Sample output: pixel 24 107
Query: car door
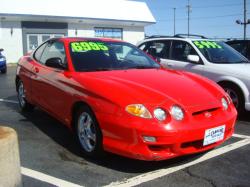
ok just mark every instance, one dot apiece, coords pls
pixel 178 58
pixel 50 84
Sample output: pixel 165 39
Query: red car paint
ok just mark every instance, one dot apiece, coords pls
pixel 109 92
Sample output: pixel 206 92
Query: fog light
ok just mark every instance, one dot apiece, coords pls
pixel 149 139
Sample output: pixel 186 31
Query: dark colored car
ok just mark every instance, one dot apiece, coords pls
pixel 3 67
pixel 243 46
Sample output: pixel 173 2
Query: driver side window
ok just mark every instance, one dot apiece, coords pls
pixel 53 50
pixel 181 49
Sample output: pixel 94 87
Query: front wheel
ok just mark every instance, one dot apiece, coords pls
pixel 24 105
pixel 4 71
pixel 236 95
pixel 88 132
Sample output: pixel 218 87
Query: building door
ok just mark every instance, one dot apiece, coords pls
pixel 34 40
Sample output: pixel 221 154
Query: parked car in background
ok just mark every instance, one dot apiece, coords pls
pixel 213 59
pixel 116 98
pixel 3 66
pixel 243 46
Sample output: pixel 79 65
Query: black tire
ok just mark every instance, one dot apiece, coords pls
pixel 4 71
pixel 90 146
pixel 23 103
pixel 236 95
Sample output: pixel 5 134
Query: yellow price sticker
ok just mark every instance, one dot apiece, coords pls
pixel 88 46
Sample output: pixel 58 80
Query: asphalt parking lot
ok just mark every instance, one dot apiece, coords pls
pixel 50 157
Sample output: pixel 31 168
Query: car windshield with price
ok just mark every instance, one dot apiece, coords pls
pixel 219 52
pixel 105 56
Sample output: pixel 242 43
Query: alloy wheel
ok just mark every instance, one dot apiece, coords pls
pixel 86 132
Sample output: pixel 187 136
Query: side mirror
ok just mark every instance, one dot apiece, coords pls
pixel 193 58
pixel 1 49
pixel 55 63
pixel 158 60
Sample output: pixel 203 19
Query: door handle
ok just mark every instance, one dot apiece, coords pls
pixel 170 64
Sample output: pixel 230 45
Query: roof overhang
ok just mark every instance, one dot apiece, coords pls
pixel 113 12
pixel 79 20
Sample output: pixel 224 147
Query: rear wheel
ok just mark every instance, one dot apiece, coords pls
pixel 88 132
pixel 24 105
pixel 236 95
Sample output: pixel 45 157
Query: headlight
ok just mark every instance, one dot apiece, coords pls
pixel 160 114
pixel 2 59
pixel 138 110
pixel 177 112
pixel 224 103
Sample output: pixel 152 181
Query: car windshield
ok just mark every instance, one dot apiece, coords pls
pixel 219 52
pixel 104 56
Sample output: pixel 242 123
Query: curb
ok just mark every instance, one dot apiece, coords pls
pixel 10 171
pixel 11 64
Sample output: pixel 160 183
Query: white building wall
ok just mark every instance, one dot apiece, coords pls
pixel 133 34
pixel 82 30
pixel 130 34
pixel 11 43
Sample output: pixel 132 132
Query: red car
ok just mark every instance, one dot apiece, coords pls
pixel 117 99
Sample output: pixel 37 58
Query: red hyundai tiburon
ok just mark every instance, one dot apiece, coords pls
pixel 116 98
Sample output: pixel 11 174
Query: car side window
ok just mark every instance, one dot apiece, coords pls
pixel 181 49
pixel 38 53
pixel 143 46
pixel 53 50
pixel 159 49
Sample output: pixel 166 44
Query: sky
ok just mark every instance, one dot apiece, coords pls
pixel 211 18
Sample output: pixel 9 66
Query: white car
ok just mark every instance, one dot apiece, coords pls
pixel 212 59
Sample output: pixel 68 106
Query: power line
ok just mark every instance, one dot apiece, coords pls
pixel 200 7
pixel 205 17
pixel 212 6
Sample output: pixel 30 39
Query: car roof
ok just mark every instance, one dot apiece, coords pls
pixel 240 40
pixel 175 38
pixel 71 39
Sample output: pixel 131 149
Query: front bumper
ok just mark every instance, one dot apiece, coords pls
pixel 124 135
pixel 3 65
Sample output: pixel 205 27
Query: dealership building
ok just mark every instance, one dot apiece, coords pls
pixel 24 24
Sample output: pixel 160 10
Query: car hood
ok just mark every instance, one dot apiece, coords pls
pixel 153 86
pixel 235 69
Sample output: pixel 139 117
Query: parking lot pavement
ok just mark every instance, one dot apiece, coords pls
pixel 50 157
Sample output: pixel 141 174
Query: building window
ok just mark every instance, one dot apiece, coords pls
pixel 108 32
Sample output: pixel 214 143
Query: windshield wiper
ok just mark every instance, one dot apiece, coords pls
pixel 97 69
pixel 243 61
pixel 142 67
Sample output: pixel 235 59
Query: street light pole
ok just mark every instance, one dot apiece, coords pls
pixel 245 19
pixel 188 9
pixel 174 20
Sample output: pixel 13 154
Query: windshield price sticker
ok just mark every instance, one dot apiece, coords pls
pixel 207 44
pixel 88 46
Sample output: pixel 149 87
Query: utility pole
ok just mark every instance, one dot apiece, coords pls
pixel 189 10
pixel 174 20
pixel 246 21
